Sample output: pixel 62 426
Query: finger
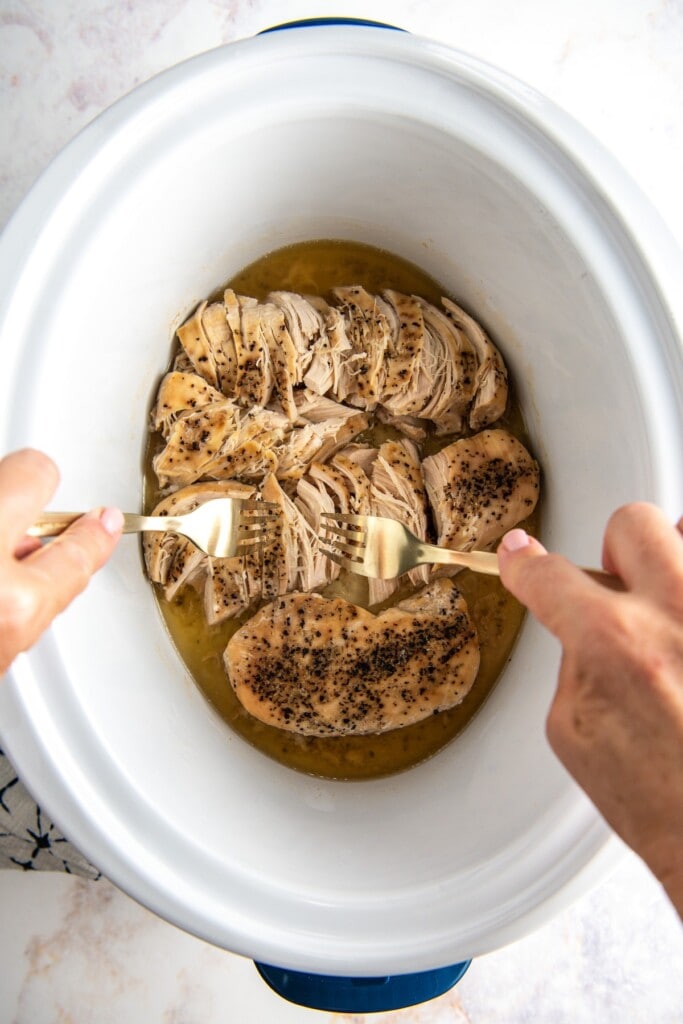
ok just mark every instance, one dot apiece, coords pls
pixel 643 547
pixel 28 479
pixel 548 585
pixel 60 570
pixel 25 546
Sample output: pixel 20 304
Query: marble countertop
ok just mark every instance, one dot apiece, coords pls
pixel 84 953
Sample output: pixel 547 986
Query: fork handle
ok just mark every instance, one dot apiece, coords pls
pixel 478 561
pixel 51 524
pixel 487 562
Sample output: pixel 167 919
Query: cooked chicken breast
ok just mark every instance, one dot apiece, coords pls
pixel 220 441
pixel 386 481
pixel 312 499
pixel 404 351
pixel 179 395
pixel 232 586
pixel 369 327
pixel 355 480
pixel 229 586
pixel 452 370
pixel 479 488
pixel 197 346
pixel 219 337
pixel 172 561
pixel 398 492
pixel 283 357
pixel 268 397
pixel 322 427
pixel 328 372
pixel 304 323
pixel 491 380
pixel 324 667
pixel 255 379
pixel 392 351
pixel 192 442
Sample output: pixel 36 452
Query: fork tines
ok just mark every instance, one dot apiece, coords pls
pixel 343 533
pixel 257 522
pixel 261 512
pixel 250 505
pixel 344 517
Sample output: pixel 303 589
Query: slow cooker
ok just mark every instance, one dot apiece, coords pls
pixel 327 131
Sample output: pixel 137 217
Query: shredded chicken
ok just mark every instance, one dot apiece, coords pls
pixel 384 481
pixel 394 353
pixel 220 441
pixel 174 562
pixel 277 399
pixel 490 377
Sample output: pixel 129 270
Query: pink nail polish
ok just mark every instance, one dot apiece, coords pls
pixel 515 540
pixel 112 520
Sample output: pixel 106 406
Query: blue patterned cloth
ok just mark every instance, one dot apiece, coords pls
pixel 29 841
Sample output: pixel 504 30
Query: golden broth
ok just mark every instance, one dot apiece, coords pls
pixel 314 268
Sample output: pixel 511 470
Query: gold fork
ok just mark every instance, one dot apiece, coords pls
pixel 383 549
pixel 221 527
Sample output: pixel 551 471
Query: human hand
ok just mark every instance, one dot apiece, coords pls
pixel 616 721
pixel 38 582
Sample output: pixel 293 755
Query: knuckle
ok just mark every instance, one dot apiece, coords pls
pixel 536 579
pixel 566 721
pixel 631 512
pixel 653 671
pixel 555 723
pixel 631 522
pixel 557 731
pixel 525 572
pixel 94 543
pixel 654 665
pixel 77 557
pixel 605 626
pixel 81 550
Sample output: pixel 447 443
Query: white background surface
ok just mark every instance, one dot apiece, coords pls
pixel 78 952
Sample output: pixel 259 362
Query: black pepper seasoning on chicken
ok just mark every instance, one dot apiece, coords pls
pixel 480 487
pixel 344 671
pixel 268 397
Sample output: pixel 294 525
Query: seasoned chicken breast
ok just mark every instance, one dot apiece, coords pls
pixel 180 394
pixel 395 352
pixel 220 441
pixel 174 562
pixel 491 380
pixel 324 667
pixel 479 488
pixel 198 347
pixel 219 337
pixel 369 327
pixel 398 492
pixel 404 351
pixel 279 398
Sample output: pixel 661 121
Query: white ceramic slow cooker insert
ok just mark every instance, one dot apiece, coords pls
pixel 395 141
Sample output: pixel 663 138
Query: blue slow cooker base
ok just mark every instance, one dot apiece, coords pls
pixel 316 22
pixel 361 995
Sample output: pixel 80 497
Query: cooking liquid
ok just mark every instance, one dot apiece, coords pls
pixel 314 268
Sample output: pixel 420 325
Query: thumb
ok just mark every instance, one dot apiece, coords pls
pixel 60 570
pixel 550 586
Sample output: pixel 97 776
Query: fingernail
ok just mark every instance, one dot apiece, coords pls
pixel 112 520
pixel 515 540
